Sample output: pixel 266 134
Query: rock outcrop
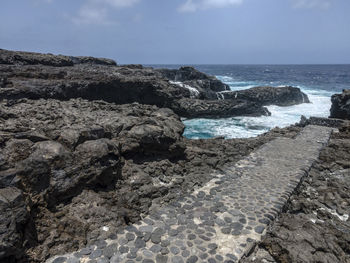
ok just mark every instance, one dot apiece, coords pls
pixel 341 105
pixel 70 152
pixel 87 146
pixel 206 85
pixel 35 76
pixel 31 58
pixel 280 96
pixel 195 108
pixel 77 170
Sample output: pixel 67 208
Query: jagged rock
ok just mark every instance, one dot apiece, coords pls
pixel 67 155
pixel 328 122
pixel 93 60
pixel 218 109
pixel 78 143
pixel 87 164
pixel 14 224
pixel 206 85
pixel 31 58
pixel 35 76
pixel 341 105
pixel 314 226
pixel 281 96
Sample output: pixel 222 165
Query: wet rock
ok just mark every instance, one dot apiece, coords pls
pixel 281 96
pixel 194 108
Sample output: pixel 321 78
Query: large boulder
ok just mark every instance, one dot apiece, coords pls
pixel 341 105
pixel 280 96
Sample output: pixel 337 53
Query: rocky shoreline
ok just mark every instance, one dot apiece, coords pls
pixel 86 143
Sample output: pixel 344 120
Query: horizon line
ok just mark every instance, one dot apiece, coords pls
pixel 241 64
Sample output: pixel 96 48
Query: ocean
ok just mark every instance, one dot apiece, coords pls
pixel 319 82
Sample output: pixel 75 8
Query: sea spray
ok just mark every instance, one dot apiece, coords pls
pixel 243 127
pixel 194 93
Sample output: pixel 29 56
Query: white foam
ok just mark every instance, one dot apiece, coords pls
pixel 194 93
pixel 243 127
pixel 237 84
pixel 343 218
pixel 235 88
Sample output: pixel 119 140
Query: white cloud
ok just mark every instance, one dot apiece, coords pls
pixel 96 11
pixel 194 5
pixel 90 15
pixel 115 3
pixel 309 4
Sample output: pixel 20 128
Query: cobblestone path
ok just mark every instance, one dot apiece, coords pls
pixel 220 221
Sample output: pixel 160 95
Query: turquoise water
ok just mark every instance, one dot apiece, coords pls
pixel 319 82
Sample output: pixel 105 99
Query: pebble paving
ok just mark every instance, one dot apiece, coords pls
pixel 221 221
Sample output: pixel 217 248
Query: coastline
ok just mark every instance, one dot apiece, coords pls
pixel 86 151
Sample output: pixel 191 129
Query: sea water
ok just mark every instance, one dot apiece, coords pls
pixel 319 82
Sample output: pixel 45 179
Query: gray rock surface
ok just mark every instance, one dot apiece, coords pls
pixel 73 152
pixel 85 165
pixel 281 96
pixel 194 108
pixel 246 197
pixel 315 224
pixel 14 223
pixel 207 86
pixel 32 58
pixel 35 76
pixel 341 105
pixel 75 173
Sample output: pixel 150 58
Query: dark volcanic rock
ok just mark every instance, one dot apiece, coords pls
pixel 281 96
pixel 341 105
pixel 218 109
pixel 69 154
pixel 87 164
pixel 205 84
pixel 46 139
pixel 14 224
pixel 74 165
pixel 315 226
pixel 31 58
pixel 328 122
pixel 35 76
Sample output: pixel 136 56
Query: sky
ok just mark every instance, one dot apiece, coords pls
pixel 182 31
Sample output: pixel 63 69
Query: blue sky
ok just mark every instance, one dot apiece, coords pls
pixel 182 31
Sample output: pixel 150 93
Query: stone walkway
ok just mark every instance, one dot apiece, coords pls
pixel 222 220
